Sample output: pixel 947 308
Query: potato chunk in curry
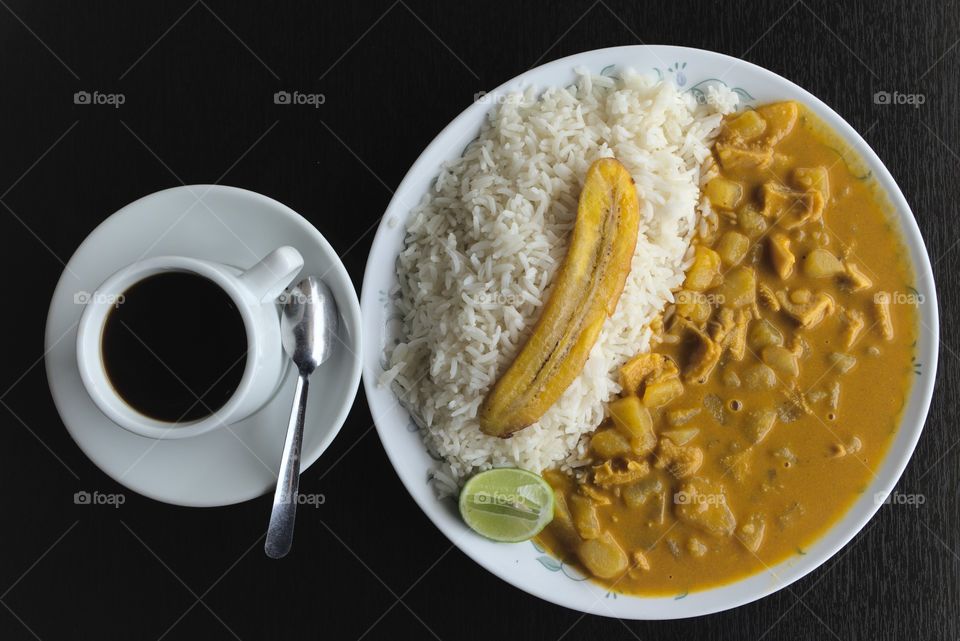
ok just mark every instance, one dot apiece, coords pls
pixel 702 504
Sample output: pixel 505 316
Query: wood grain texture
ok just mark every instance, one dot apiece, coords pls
pixel 199 81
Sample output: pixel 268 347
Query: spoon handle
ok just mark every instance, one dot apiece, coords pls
pixel 280 530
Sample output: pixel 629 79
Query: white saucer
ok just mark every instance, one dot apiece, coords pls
pixel 225 466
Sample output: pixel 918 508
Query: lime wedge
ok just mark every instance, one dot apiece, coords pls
pixel 507 504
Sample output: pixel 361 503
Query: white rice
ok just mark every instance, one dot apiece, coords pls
pixel 483 245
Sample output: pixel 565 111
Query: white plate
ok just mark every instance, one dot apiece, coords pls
pixel 522 564
pixel 235 227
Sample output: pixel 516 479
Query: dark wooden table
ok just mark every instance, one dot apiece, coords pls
pixel 198 80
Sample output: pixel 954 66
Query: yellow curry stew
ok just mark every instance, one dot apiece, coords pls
pixel 776 383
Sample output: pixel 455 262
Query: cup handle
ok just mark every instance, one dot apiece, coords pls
pixel 268 278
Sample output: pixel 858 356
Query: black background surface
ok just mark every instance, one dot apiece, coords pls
pixel 199 81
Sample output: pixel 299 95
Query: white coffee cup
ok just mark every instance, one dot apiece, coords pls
pixel 254 292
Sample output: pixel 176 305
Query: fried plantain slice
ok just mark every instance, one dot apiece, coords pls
pixel 586 290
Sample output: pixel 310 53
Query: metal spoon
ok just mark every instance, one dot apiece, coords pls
pixel 307 329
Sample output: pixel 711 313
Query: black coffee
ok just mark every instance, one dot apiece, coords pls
pixel 175 347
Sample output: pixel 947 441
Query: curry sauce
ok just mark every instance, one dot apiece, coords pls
pixel 777 381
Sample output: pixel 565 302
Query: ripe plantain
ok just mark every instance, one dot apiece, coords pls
pixel 585 292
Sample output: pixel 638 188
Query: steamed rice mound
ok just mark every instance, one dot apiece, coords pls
pixel 483 245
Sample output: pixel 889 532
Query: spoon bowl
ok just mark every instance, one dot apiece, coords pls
pixel 308 325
